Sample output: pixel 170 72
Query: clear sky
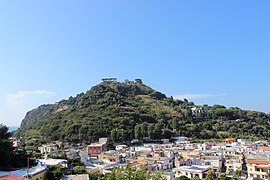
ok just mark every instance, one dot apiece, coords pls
pixel 211 52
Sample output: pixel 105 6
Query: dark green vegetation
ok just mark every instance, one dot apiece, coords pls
pixel 120 173
pixel 75 166
pixel 54 173
pixel 128 173
pixel 10 157
pixel 127 110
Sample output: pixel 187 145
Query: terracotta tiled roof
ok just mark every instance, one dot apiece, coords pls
pixel 260 162
pixel 264 148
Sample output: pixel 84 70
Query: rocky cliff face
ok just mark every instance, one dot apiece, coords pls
pixel 48 110
pixel 35 114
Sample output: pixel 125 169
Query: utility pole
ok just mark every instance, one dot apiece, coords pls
pixel 28 164
pixel 27 171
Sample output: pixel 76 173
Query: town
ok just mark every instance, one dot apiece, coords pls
pixel 176 158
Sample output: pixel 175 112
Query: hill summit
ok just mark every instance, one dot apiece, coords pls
pixel 131 109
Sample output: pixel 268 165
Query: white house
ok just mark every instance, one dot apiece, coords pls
pixel 192 171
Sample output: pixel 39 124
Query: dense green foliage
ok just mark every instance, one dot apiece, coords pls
pixel 129 173
pixel 76 166
pixel 123 111
pixel 10 157
pixel 54 173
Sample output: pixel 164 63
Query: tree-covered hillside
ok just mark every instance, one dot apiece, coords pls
pixel 130 109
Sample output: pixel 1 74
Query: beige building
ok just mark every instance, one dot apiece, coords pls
pixel 233 165
pixel 233 161
pixel 257 169
pixel 212 159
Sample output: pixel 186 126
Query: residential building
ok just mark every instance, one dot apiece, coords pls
pixel 192 171
pixel 34 173
pixel 121 147
pixel 257 168
pixel 52 162
pixel 212 159
pixel 95 149
pixel 229 140
pixel 50 148
pixel 232 165
pixel 234 160
pixel 103 141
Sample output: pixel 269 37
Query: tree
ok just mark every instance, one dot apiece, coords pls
pixel 114 136
pixel 75 162
pixel 158 176
pixel 150 131
pixel 4 134
pixel 128 173
pixel 78 170
pixel 10 157
pixel 138 132
pixel 222 177
pixel 141 174
pixel 144 129
pixel 188 113
pixel 210 175
pixel 54 173
pixel 158 130
pixel 237 174
pixel 157 95
pixel 167 133
pixel 204 134
pixel 6 150
pixel 96 176
pixel 175 124
pixel 138 81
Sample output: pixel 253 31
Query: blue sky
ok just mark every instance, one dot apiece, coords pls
pixel 212 52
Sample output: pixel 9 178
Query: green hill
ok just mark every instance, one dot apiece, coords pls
pixel 130 109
